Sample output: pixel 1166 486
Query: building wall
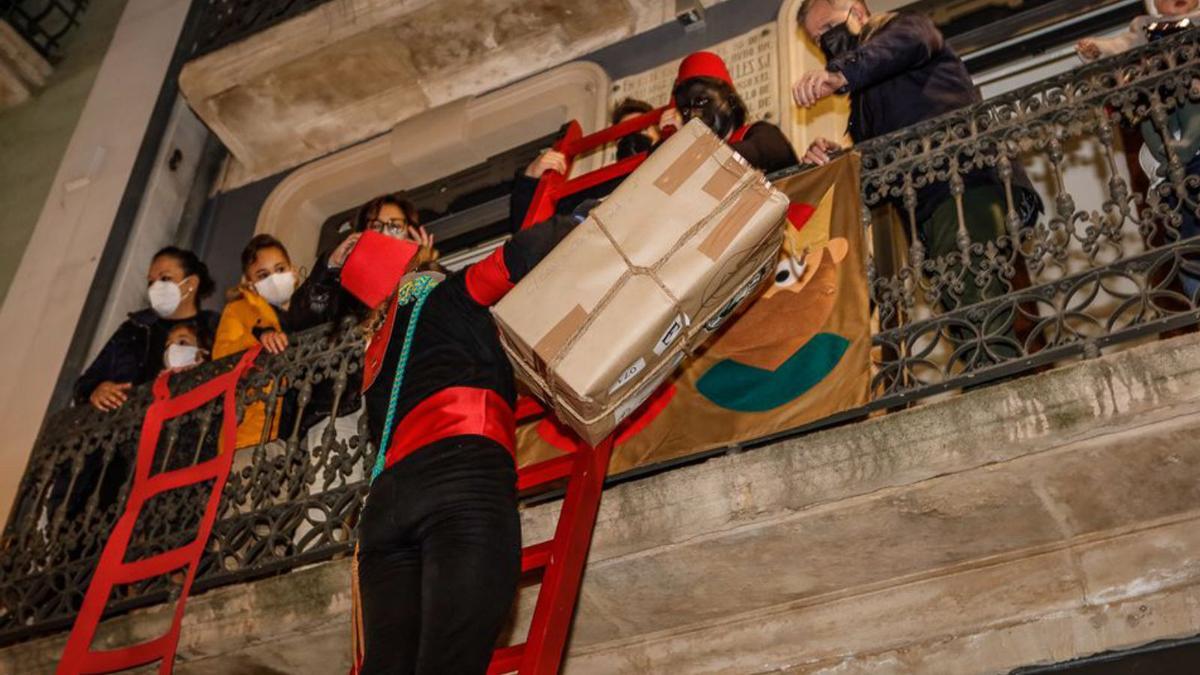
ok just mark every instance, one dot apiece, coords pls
pixel 34 135
pixel 43 307
pixel 1031 522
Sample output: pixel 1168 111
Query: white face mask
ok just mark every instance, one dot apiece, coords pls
pixel 165 297
pixel 277 289
pixel 181 356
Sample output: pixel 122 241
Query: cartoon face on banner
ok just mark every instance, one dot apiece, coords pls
pixel 798 352
pixel 773 353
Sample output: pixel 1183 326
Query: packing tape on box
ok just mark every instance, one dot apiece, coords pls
pixel 687 163
pixel 726 177
pixel 748 204
pixel 736 208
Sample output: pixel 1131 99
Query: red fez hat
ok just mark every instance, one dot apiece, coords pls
pixel 375 267
pixel 703 64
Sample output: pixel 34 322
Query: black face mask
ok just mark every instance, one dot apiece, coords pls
pixel 838 40
pixel 709 105
pixel 633 144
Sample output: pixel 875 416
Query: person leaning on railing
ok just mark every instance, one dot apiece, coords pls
pixel 899 70
pixel 258 312
pixel 187 344
pixel 177 282
pixel 321 299
pixel 1165 18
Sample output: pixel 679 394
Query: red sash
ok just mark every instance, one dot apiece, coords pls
pixel 455 411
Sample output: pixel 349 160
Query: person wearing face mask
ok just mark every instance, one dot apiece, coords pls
pixel 177 282
pixel 704 89
pixel 188 345
pixel 258 312
pixel 321 298
pixel 899 70
pixel 641 141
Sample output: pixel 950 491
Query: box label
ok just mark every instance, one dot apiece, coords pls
pixel 630 406
pixel 628 374
pixel 720 317
pixel 670 336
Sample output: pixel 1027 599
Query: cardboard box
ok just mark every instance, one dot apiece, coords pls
pixel 652 273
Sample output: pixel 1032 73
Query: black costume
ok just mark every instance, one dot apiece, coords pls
pixel 439 539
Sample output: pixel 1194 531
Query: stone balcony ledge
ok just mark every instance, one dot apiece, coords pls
pixel 1031 522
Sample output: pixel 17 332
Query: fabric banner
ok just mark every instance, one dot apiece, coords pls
pixel 797 354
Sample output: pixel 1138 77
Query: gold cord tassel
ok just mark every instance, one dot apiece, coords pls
pixel 356 617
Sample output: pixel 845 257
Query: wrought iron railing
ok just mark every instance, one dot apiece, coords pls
pixel 43 23
pixel 224 22
pixel 1092 271
pixel 287 502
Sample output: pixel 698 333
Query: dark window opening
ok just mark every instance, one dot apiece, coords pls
pixel 460 210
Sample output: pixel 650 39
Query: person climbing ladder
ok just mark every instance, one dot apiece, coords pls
pixel 439 539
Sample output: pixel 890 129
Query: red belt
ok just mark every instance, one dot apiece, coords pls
pixel 456 411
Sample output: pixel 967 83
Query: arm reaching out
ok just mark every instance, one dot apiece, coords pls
pixel 492 278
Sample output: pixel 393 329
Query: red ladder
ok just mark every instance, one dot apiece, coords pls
pixel 553 185
pixel 562 559
pixel 78 656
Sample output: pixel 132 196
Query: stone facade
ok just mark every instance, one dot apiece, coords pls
pixel 22 70
pixel 1032 522
pixel 352 69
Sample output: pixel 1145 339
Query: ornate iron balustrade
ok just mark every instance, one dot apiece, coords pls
pixel 43 23
pixel 224 22
pixel 1067 282
pixel 1091 271
pixel 288 501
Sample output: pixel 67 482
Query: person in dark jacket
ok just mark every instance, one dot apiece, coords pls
pixel 899 70
pixel 177 283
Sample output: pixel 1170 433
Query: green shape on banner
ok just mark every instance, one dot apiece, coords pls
pixel 737 386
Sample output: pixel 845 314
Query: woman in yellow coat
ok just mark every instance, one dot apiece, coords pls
pixel 258 313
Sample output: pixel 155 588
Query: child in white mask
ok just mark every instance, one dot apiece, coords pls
pixel 257 309
pixel 186 347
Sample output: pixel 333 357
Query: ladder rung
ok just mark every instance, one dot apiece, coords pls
pixel 156 565
pixel 506 659
pixel 536 556
pixel 545 472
